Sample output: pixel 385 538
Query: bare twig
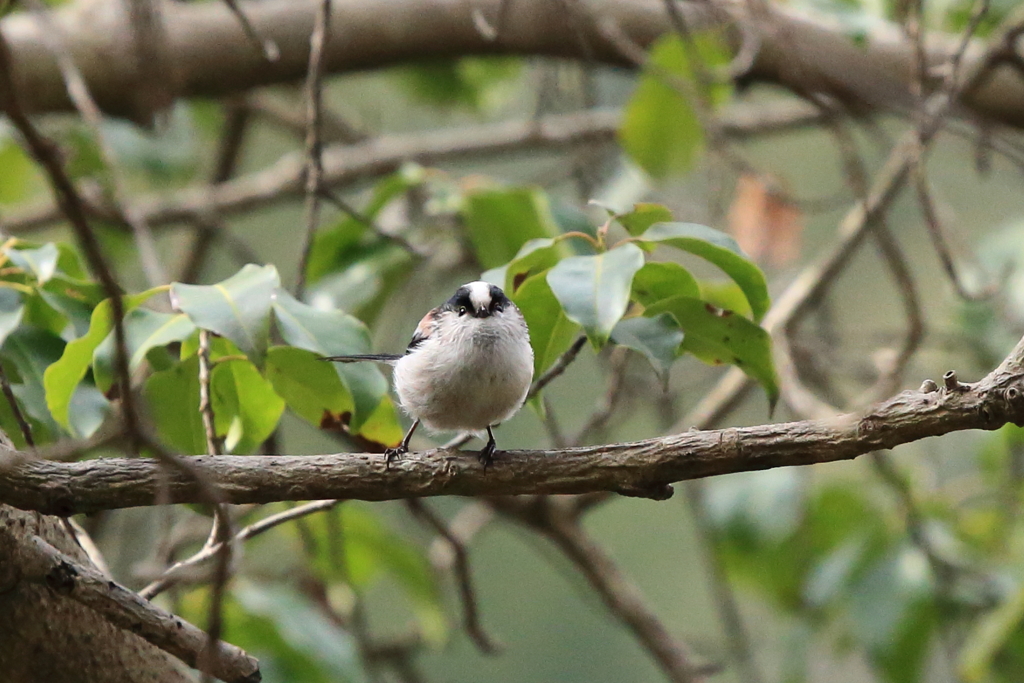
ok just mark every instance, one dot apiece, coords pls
pixel 73 207
pixel 183 569
pixel 344 164
pixel 556 520
pixel 463 576
pixel 40 562
pixel 267 47
pixel 91 114
pixel 205 402
pixel 314 147
pixel 19 417
pixel 559 366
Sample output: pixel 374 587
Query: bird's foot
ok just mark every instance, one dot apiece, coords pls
pixel 395 453
pixel 487 454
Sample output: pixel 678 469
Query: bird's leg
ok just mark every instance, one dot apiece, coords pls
pixel 487 452
pixel 401 449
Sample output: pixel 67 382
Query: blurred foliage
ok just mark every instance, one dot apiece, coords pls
pixel 901 567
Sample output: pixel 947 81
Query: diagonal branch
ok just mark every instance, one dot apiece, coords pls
pixel 38 561
pixel 641 468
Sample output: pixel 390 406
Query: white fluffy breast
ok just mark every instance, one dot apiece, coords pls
pixel 470 373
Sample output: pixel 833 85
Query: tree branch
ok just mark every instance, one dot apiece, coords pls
pixel 641 468
pixel 39 561
pixel 212 55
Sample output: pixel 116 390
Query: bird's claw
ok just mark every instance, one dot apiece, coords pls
pixel 487 454
pixel 392 454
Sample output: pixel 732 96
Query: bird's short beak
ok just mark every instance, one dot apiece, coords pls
pixel 482 313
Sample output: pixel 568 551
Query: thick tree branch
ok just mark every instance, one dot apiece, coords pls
pixel 212 57
pixel 38 561
pixel 641 468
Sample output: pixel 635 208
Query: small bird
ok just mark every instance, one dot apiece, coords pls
pixel 468 367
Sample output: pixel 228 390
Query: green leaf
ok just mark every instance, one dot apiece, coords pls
pixel 721 250
pixel 19 171
pixel 657 338
pixel 476 82
pixel 657 281
pixel 383 426
pixel 643 216
pixel 173 400
pixel 333 247
pixel 299 377
pixel 144 330
pixel 62 377
pixel 893 613
pixel 333 333
pixel 535 256
pixel 373 550
pixel 551 332
pixel 660 129
pixel 716 337
pixel 302 627
pixel 989 637
pixel 246 409
pixel 89 407
pixel 237 308
pixel 11 312
pixel 594 290
pixel 41 263
pixel 499 222
pixel 32 351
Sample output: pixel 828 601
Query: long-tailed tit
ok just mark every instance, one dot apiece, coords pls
pixel 468 367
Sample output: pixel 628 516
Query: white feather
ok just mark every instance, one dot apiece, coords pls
pixel 470 373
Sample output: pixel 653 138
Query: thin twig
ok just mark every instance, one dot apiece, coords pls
pixel 19 417
pixel 558 367
pixel 91 114
pixel 74 209
pixel 314 147
pixel 555 520
pixel 183 569
pixel 267 47
pixel 470 611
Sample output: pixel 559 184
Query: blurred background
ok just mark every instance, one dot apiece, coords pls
pixel 900 566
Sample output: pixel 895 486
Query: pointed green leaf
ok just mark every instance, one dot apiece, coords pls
pixel 594 290
pixel 300 378
pixel 244 401
pixel 551 332
pixel 643 216
pixel 721 250
pixel 721 337
pixel 657 338
pixel 333 333
pixel 172 397
pixel 309 639
pixel 89 407
pixel 499 222
pixel 144 330
pixel 535 256
pixel 237 308
pixel 62 377
pixel 660 130
pixel 657 281
pixel 41 263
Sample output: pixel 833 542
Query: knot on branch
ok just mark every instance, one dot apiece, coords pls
pixel 1013 399
pixel 952 384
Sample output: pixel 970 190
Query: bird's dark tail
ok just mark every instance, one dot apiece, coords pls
pixel 379 357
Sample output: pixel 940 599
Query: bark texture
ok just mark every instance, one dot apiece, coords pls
pixel 49 638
